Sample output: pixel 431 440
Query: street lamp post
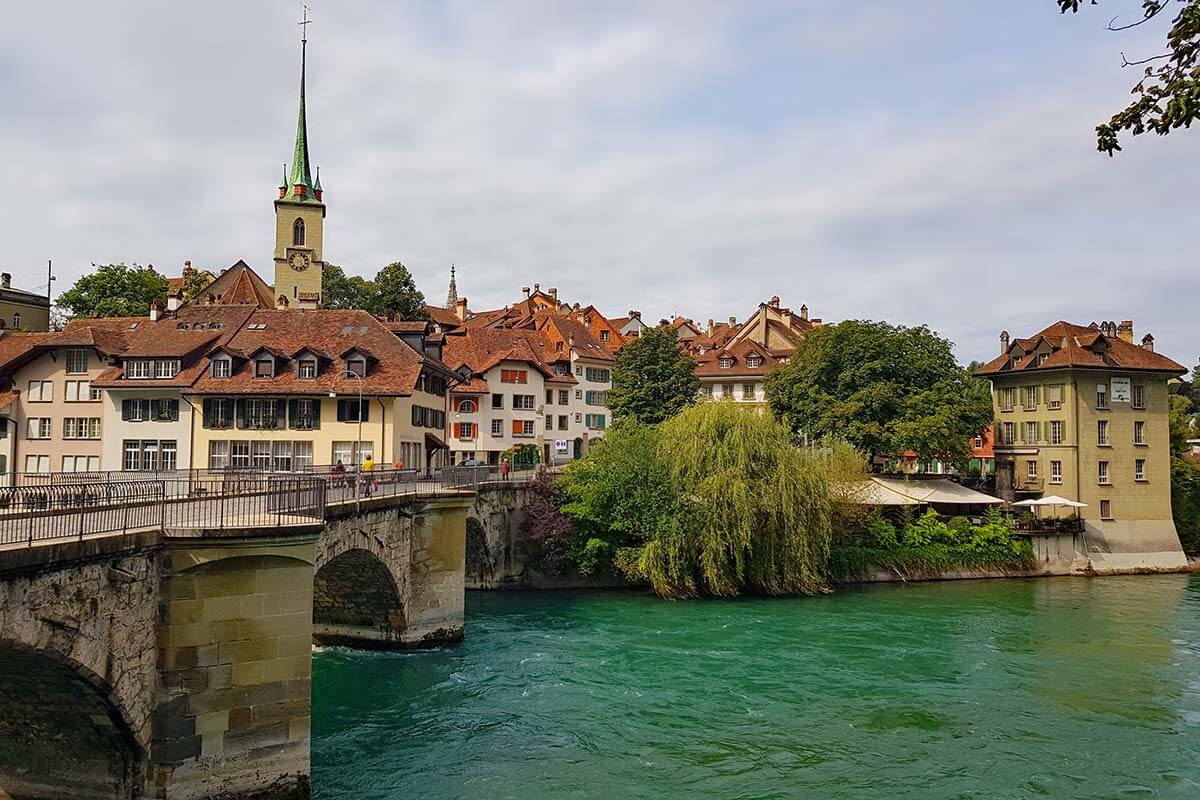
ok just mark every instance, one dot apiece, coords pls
pixel 357 454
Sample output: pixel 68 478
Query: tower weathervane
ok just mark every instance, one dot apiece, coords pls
pixel 304 23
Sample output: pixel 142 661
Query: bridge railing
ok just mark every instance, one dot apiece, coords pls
pixel 78 510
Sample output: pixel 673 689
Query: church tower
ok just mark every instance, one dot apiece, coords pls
pixel 299 217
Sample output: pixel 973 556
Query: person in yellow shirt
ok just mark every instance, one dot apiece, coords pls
pixel 368 466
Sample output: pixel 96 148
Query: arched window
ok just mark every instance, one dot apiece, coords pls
pixel 17 320
pixel 298 233
pixel 467 406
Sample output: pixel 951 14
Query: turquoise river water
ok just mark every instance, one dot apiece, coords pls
pixel 1063 688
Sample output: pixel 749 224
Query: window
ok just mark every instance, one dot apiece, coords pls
pixel 604 336
pixel 133 410
pixel 166 369
pixel 164 410
pixel 1031 470
pixel 497 401
pixel 464 430
pixel 1056 431
pixel 81 463
pixel 522 427
pixel 352 410
pixel 80 392
pixel 578 417
pixel 1054 395
pixel 239 455
pixel 1102 471
pixel 549 397
pixel 578 369
pixel 1139 432
pixel 1056 472
pixel 260 414
pixel 38 428
pixel 562 422
pixel 1029 397
pixel 497 427
pixel 17 325
pixel 302 455
pixel 222 367
pixel 1041 359
pixel 597 375
pixel 149 455
pixel 138 369
pixel 1007 433
pixel 298 233
pixel 77 361
pixel 594 398
pixel 1006 399
pixel 564 397
pixel 753 361
pixel 727 390
pixel 40 392
pixel 558 347
pixel 356 367
pixel 81 428
pixel 1139 469
pixel 1101 395
pixel 260 455
pixel 748 391
pixel 94 394
pixel 549 422
pixel 218 412
pixel 579 394
pixel 1031 432
pixel 978 442
pixel 37 463
pixel 264 368
pixel 306 368
pixel 1106 509
pixel 464 405
pixel 304 414
pixel 1101 431
pixel 725 362
pixel 523 401
pixel 1139 396
pixel 218 455
pixel 595 422
pixel 514 376
pixel 281 457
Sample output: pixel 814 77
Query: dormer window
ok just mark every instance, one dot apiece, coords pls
pixel 725 362
pixel 222 367
pixel 166 369
pixel 306 368
pixel 753 361
pixel 356 367
pixel 604 336
pixel 264 367
pixel 1041 359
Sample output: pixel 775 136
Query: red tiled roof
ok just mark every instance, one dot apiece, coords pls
pixel 443 316
pixel 480 349
pixel 1066 345
pixel 709 364
pixel 15 348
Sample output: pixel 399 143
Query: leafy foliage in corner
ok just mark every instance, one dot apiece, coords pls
pixel 885 389
pixel 1168 93
pixel 927 545
pixel 653 378
pixel 115 290
pixel 550 533
pixel 392 293
pixel 339 290
pixel 1185 502
pixel 195 281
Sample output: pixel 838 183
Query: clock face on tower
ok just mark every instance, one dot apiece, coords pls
pixel 299 261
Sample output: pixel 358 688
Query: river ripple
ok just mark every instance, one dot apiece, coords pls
pixel 1063 688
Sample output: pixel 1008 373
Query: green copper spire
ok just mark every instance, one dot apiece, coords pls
pixel 301 174
pixel 317 183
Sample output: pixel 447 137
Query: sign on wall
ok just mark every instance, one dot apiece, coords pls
pixel 560 446
pixel 1120 390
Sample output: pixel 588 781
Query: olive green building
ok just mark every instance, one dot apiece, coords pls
pixel 1081 412
pixel 22 310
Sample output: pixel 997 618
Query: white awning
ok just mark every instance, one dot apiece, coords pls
pixel 881 491
pixel 1052 500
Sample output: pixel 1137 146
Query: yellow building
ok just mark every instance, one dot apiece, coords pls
pixel 21 310
pixel 1081 412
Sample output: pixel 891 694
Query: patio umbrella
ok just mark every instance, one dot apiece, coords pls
pixel 1053 500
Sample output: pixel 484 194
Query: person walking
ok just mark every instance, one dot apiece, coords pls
pixel 504 469
pixel 368 468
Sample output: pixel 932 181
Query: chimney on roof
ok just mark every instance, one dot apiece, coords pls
pixel 1148 342
pixel 733 322
pixel 5 280
pixel 708 330
pixel 525 291
pixel 154 312
pixel 804 313
pixel 537 287
pixel 187 264
pixel 460 310
pixel 173 302
pixel 554 294
pixel 1125 330
pixel 1003 342
pixel 774 302
pixel 635 314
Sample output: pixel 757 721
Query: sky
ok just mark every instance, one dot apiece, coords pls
pixel 920 163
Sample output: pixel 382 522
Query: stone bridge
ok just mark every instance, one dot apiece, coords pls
pixel 177 663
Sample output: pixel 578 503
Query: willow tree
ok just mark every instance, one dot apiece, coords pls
pixel 754 512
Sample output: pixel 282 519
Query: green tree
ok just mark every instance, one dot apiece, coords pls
pixel 1185 502
pixel 1180 421
pixel 115 290
pixel 884 389
pixel 1168 89
pixel 397 295
pixel 339 290
pixel 195 281
pixel 653 378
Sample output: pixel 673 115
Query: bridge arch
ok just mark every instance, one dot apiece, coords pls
pixel 356 601
pixel 63 734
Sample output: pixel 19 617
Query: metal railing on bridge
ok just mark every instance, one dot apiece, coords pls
pixel 45 506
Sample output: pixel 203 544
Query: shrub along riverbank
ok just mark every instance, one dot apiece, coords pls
pixel 718 501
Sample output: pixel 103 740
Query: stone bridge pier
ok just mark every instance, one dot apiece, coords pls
pixel 178 666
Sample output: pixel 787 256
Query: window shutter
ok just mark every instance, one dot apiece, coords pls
pixel 364 410
pixel 209 420
pixel 341 411
pixel 293 410
pixel 155 408
pixel 458 430
pixel 174 409
pixel 146 409
pixel 125 409
pixel 240 406
pixel 280 422
pixel 517 429
pixel 315 410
